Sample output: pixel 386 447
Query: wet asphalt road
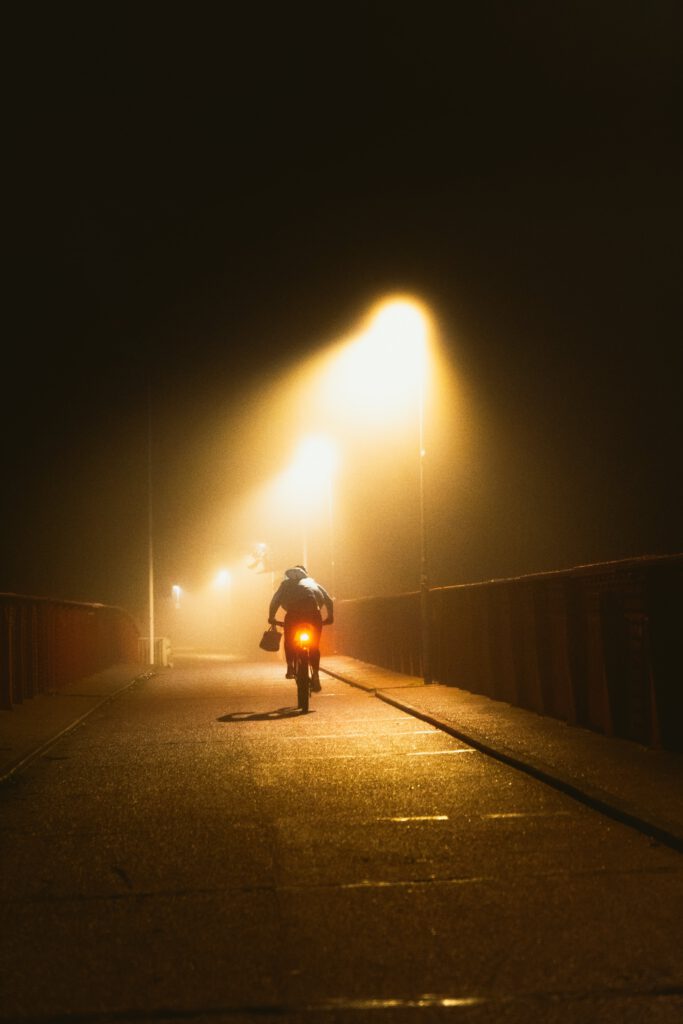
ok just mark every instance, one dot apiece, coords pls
pixel 198 850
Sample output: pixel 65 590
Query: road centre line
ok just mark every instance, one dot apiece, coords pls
pixel 419 817
pixel 439 753
pixel 389 753
pixel 365 735
pixel 405 883
pixel 404 719
pixel 422 1002
pixel 529 814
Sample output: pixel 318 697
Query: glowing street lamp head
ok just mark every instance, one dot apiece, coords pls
pixel 401 326
pixel 221 579
pixel 377 372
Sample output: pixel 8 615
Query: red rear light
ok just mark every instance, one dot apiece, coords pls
pixel 303 636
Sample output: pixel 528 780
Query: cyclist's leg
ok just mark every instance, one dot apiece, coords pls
pixel 303 682
pixel 315 651
pixel 290 626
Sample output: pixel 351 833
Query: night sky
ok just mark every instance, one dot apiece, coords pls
pixel 201 202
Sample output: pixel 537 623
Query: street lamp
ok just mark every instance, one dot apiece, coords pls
pixel 392 350
pixel 222 579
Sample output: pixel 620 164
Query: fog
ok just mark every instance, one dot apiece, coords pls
pixel 319 465
pixel 506 490
pixel 535 460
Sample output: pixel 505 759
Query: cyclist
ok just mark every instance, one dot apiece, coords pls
pixel 302 598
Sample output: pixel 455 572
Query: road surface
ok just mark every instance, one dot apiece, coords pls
pixel 198 850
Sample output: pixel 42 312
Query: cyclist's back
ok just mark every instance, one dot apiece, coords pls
pixel 302 598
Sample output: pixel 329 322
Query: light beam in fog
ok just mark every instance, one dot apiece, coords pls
pixel 373 375
pixel 348 486
pixel 310 477
pixel 364 392
pixel 385 369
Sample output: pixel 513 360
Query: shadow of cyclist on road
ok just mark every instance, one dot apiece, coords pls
pixel 261 716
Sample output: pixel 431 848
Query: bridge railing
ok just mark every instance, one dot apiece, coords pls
pixel 599 646
pixel 46 644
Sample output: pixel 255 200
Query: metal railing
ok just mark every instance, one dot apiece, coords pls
pixel 597 646
pixel 46 644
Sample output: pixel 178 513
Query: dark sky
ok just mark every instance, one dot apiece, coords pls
pixel 200 201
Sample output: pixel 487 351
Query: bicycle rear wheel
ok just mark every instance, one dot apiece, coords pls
pixel 303 683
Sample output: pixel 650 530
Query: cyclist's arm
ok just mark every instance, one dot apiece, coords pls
pixel 329 606
pixel 274 605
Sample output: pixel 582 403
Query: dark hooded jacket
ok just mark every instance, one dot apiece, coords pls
pixel 299 593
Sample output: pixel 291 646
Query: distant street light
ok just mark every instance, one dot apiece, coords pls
pixel 261 561
pixel 260 558
pixel 176 591
pixel 222 579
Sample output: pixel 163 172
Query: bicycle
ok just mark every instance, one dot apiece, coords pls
pixel 301 640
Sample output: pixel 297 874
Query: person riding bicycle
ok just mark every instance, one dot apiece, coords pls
pixel 302 598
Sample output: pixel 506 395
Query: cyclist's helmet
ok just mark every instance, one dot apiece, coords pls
pixel 297 572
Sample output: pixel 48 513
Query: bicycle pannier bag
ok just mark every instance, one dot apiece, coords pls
pixel 270 641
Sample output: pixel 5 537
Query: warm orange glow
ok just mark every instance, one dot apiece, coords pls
pixel 380 371
pixel 313 462
pixel 302 636
pixel 401 322
pixel 329 458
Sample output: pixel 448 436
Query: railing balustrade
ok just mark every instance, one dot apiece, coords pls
pixel 598 646
pixel 46 644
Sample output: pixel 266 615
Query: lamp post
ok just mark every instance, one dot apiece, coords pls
pixel 150 532
pixel 424 573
